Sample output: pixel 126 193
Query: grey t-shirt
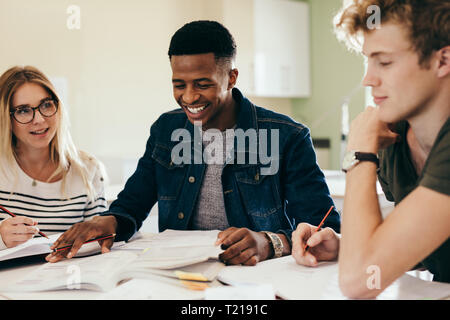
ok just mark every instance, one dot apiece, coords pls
pixel 209 212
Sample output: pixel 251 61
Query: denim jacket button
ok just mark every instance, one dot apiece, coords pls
pixel 180 215
pixel 191 179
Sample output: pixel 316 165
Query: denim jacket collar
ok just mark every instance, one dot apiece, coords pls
pixel 246 118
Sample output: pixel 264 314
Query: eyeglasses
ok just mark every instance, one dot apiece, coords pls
pixel 25 114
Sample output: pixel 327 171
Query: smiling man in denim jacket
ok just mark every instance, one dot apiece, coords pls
pixel 218 162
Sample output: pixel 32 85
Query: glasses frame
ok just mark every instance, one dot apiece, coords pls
pixel 12 113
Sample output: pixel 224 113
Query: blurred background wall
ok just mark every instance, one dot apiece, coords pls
pixel 114 75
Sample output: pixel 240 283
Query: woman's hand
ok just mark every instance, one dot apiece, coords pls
pixel 17 230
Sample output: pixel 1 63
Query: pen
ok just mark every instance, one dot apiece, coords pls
pixel 305 248
pixel 13 215
pixel 112 235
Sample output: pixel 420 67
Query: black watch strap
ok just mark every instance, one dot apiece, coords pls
pixel 366 156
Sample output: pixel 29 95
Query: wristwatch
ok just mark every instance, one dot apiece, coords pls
pixel 276 243
pixel 352 158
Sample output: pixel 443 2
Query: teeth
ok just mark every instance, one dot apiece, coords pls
pixel 196 110
pixel 39 132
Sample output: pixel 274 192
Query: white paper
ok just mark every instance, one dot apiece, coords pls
pixel 293 281
pixel 241 292
pixel 175 248
pixel 152 287
pixel 172 238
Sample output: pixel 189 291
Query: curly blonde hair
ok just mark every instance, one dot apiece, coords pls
pixel 427 22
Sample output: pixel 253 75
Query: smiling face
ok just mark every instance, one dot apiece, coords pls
pixel 401 87
pixel 202 88
pixel 38 133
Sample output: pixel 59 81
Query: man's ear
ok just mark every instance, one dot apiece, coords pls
pixel 444 62
pixel 233 75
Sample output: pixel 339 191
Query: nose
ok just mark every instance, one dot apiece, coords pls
pixel 371 79
pixel 38 117
pixel 190 96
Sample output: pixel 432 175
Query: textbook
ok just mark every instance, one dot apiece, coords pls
pixel 41 245
pixel 183 257
pixel 34 246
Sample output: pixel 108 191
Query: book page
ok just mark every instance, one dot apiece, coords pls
pixel 98 272
pixel 34 246
pixel 205 271
pixel 174 248
pixel 172 238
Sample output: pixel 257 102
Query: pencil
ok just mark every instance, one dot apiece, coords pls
pixel 13 215
pixel 112 235
pixel 319 226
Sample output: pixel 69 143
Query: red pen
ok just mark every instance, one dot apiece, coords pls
pixel 319 226
pixel 13 215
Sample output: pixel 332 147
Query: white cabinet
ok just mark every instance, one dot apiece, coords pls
pixel 273 46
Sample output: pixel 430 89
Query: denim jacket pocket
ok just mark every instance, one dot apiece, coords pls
pixel 166 170
pixel 260 196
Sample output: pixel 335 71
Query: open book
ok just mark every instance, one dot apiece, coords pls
pixel 177 255
pixel 35 246
pixel 41 245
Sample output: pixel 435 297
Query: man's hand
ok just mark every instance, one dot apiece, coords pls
pixel 243 246
pixel 323 245
pixel 369 134
pixel 81 232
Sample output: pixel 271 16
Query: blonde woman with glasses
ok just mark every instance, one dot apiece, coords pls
pixel 46 184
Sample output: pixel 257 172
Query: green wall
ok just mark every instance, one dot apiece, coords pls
pixel 335 73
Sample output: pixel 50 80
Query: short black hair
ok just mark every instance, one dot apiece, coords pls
pixel 203 36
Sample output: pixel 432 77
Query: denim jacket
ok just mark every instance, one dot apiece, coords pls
pixel 295 192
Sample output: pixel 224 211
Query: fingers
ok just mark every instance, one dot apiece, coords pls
pixel 79 233
pixel 17 230
pixel 74 237
pixel 240 247
pixel 16 239
pixel 232 235
pixel 22 220
pixel 323 246
pixel 224 234
pixel 22 229
pixel 300 237
pixel 320 236
pixel 106 245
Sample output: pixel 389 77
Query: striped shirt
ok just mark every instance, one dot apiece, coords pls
pixel 55 212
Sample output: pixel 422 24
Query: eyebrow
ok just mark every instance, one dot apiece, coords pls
pixel 196 80
pixel 27 105
pixel 376 53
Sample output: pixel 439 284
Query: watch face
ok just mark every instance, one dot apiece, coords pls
pixel 349 160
